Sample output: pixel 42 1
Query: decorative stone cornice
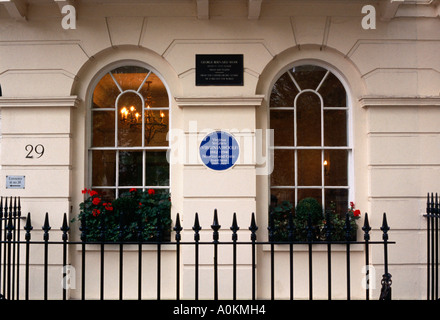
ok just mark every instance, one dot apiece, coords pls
pixel 38 102
pixel 411 101
pixel 252 101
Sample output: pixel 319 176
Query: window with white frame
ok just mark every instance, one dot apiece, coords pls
pixel 129 124
pixel 309 113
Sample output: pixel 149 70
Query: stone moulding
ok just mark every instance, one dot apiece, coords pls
pixel 382 101
pixel 38 102
pixel 252 101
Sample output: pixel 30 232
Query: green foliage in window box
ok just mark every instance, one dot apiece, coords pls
pixel 308 213
pixel 340 228
pixel 134 216
pixel 279 220
pixel 308 223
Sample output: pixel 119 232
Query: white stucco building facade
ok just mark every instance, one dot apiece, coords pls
pixel 388 146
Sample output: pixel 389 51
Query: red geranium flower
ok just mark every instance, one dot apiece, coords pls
pixel 96 201
pixel 133 190
pixel 108 206
pixel 96 212
pixel 92 193
pixel 356 213
pixel 84 191
pixel 151 191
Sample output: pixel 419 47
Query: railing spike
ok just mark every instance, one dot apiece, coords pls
pixel 6 207
pixel 19 207
pixel 428 207
pixel 65 227
pixel 178 228
pixel 366 228
pixel 9 226
pixel 234 228
pixel 196 227
pixel 215 224
pixel 253 227
pixel 15 207
pixel 436 208
pixel 46 227
pixel 28 227
pixel 385 228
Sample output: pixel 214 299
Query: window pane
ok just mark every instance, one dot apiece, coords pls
pixel 283 92
pixel 308 76
pixel 283 124
pixel 309 168
pixel 129 77
pixel 105 93
pixel 157 169
pixel 308 113
pixel 284 171
pixel 103 168
pixel 161 190
pixel 337 199
pixel 280 195
pixel 130 120
pixel 107 195
pixel 126 90
pixel 155 93
pixel 335 167
pixel 310 193
pixel 156 127
pixel 333 93
pixel 130 168
pixel 335 128
pixel 103 134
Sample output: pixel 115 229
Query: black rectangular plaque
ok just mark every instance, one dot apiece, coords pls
pixel 219 69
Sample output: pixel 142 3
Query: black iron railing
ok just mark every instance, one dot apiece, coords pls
pixel 17 246
pixel 432 215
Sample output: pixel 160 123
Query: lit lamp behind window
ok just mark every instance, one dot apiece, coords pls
pixel 129 115
pixel 326 164
pixel 153 123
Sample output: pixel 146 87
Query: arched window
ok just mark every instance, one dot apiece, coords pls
pixel 129 124
pixel 309 114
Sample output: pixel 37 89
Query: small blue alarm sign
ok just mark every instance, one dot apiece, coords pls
pixel 219 150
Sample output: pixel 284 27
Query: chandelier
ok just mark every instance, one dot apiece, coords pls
pixel 152 122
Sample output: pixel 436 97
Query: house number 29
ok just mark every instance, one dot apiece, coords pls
pixel 32 151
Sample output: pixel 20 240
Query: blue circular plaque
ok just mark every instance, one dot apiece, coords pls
pixel 219 150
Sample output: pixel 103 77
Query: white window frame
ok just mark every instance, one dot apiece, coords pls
pixel 322 148
pixel 117 148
